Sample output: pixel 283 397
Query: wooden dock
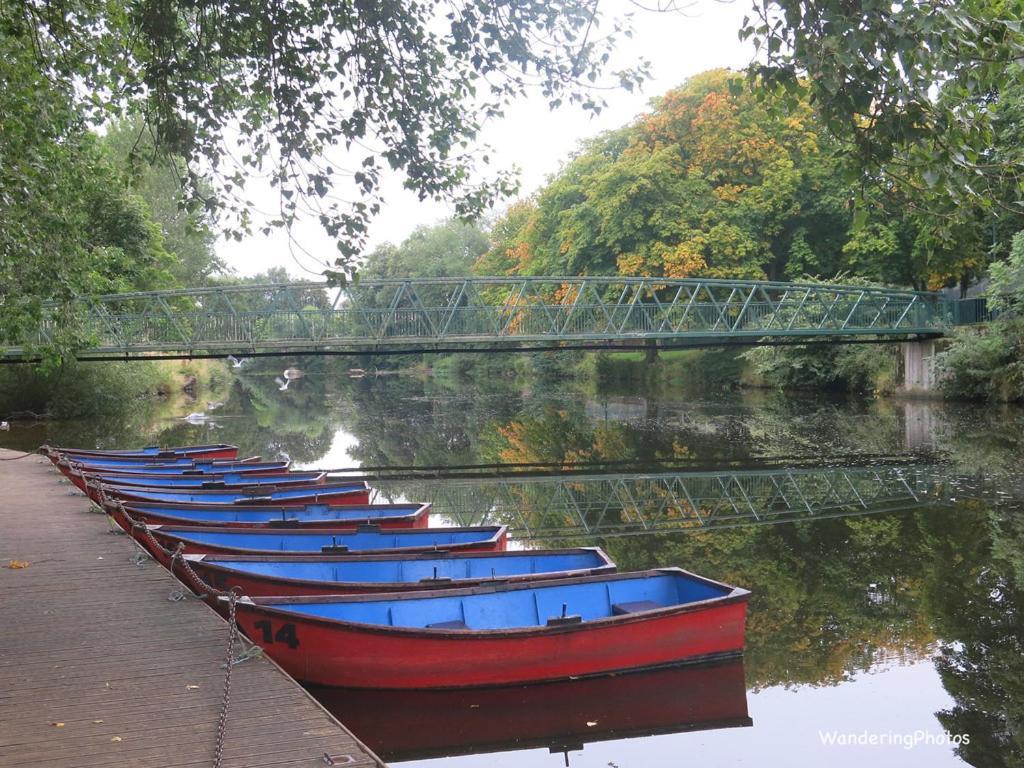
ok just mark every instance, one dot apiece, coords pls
pixel 98 667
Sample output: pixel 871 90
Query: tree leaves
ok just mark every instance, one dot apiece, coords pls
pixel 710 183
pixel 916 91
pixel 230 86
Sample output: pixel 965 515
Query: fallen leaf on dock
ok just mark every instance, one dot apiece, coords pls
pixel 57 725
pixel 17 564
pixel 97 722
pixel 115 738
pixel 191 687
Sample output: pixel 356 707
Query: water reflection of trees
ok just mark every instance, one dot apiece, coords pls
pixel 262 419
pixel 832 597
pixel 975 599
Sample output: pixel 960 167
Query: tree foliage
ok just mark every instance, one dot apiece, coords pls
pixel 69 225
pixel 279 89
pixel 448 249
pixel 724 179
pixel 710 183
pixel 924 94
pixel 988 364
pixel 187 228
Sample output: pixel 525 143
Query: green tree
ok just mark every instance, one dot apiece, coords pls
pixel 922 93
pixel 244 88
pixel 709 183
pixel 70 227
pixel 187 228
pixel 448 249
pixel 989 364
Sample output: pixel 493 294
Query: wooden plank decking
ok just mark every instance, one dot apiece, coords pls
pixel 99 668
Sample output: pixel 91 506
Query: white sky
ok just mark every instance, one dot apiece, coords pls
pixel 531 137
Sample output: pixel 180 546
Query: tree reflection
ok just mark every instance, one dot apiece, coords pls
pixel 975 600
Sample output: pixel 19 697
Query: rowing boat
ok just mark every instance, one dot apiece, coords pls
pixel 77 473
pixel 274 517
pixel 214 451
pixel 366 539
pixel 499 635
pixel 350 492
pixel 149 465
pixel 361 574
pixel 221 481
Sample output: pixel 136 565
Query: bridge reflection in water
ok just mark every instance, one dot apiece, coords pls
pixel 570 505
pixel 561 716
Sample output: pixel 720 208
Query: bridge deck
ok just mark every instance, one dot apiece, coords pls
pixel 99 668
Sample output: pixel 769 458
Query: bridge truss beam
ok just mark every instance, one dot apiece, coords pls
pixel 423 314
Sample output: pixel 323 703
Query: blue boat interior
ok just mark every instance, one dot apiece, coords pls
pixel 314 543
pixel 198 481
pixel 396 571
pixel 534 606
pixel 310 513
pixel 187 470
pixel 230 497
pixel 93 462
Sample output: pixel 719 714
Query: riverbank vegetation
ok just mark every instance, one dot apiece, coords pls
pixel 722 180
pixel 989 364
pixel 73 390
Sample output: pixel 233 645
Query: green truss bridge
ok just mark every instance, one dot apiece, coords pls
pixel 483 313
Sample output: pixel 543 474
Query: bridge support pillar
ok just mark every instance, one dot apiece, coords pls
pixel 918 367
pixel 921 422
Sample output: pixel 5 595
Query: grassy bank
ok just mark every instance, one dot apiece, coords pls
pixel 694 370
pixel 874 369
pixel 80 390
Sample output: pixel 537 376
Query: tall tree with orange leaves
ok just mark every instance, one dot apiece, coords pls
pixel 718 180
pixel 710 183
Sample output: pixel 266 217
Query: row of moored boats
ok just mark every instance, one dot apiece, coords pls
pixel 342 592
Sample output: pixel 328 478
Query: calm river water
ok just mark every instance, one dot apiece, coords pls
pixel 883 542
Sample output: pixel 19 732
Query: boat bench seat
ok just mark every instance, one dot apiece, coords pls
pixel 456 624
pixel 620 609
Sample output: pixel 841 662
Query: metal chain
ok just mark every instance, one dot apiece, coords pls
pixel 222 723
pixel 178 557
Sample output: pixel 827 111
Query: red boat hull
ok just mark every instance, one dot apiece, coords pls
pixel 497 544
pixel 417 725
pixel 362 656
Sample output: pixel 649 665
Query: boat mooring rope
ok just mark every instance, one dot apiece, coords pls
pixel 34 452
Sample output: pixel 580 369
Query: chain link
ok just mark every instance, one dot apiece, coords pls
pixel 222 723
pixel 178 556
